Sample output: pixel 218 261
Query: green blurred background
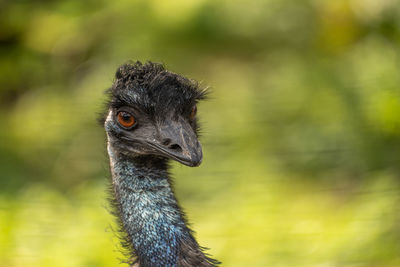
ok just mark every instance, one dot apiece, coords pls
pixel 301 135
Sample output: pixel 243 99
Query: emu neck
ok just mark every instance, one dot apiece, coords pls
pixel 150 214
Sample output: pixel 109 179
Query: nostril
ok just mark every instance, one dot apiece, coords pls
pixel 175 147
pixel 166 141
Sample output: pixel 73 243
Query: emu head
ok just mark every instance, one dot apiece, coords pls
pixel 153 112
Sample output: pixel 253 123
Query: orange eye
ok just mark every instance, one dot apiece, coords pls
pixel 126 120
pixel 193 113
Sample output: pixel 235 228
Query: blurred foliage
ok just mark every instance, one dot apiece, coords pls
pixel 301 135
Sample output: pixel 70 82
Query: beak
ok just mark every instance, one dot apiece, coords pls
pixel 178 141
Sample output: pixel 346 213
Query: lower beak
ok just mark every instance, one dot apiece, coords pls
pixel 185 157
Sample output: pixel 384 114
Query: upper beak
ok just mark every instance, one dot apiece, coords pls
pixel 178 141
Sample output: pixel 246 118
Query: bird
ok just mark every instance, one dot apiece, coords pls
pixel 150 119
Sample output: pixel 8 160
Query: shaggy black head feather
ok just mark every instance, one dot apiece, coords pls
pixel 154 90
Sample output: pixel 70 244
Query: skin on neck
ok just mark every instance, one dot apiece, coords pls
pixel 150 214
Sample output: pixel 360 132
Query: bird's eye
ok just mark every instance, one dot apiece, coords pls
pixel 193 113
pixel 126 120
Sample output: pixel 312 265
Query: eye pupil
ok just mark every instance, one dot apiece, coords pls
pixel 125 119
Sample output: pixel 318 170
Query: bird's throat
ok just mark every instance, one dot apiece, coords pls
pixel 148 210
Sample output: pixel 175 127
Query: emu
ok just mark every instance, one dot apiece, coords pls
pixel 151 119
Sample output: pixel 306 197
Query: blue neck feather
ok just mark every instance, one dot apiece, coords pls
pixel 148 210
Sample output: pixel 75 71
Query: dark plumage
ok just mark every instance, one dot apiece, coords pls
pixel 150 119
